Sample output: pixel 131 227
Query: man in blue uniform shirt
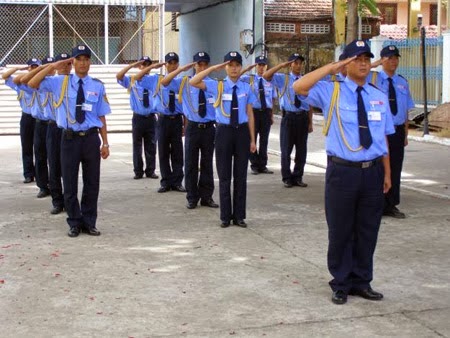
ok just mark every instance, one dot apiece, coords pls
pixel 296 122
pixel 235 134
pixel 199 117
pixel 144 119
pixel 358 170
pixel 27 122
pixel 397 89
pixel 170 126
pixel 81 104
pixel 262 111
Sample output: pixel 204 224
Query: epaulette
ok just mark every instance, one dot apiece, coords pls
pixel 98 80
pixel 371 84
pixel 403 77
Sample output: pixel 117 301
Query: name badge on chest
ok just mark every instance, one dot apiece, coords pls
pixel 226 97
pixel 374 115
pixel 86 107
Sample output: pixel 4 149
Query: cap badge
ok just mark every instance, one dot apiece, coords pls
pixel 201 54
pixel 33 60
pixel 391 47
pixel 360 43
pixel 171 54
pixel 81 48
pixel 64 55
pixel 232 54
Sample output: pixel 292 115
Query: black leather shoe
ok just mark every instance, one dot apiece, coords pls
pixel 254 171
pixel 240 223
pixel 366 294
pixel 138 176
pixel 287 184
pixel 28 179
pixel 394 212
pixel 152 175
pixel 225 224
pixel 56 210
pixel 163 189
pixel 265 171
pixel 73 232
pixel 92 231
pixel 209 203
pixel 43 193
pixel 301 184
pixel 191 205
pixel 339 297
pixel 179 188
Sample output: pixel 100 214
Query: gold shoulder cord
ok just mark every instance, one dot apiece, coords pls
pixel 20 96
pixel 159 91
pixel 252 85
pixel 180 92
pixel 31 102
pixel 286 83
pixel 219 98
pixel 132 81
pixel 374 78
pixel 334 107
pixel 62 94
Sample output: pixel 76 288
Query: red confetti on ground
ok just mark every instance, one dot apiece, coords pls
pixel 57 274
pixel 262 257
pixel 2 256
pixel 296 282
pixel 92 298
pixel 99 313
pixel 2 281
pixel 232 333
pixel 9 246
pixel 184 324
pixel 55 254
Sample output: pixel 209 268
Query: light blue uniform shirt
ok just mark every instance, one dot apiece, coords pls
pixel 337 77
pixel 244 93
pixel 379 118
pixel 23 97
pixel 37 108
pixel 288 99
pixel 137 96
pixel 47 104
pixel 269 90
pixel 96 103
pixel 189 97
pixel 161 95
pixel 402 93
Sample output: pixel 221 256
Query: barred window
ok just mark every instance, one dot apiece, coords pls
pixel 278 27
pixel 312 28
pixel 366 29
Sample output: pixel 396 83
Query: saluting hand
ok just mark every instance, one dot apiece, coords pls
pixel 61 63
pixel 337 67
pixel 187 67
pixel 220 65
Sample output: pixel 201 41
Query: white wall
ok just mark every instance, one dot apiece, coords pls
pixel 215 30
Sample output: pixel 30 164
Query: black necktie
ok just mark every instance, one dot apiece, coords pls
pixel 234 111
pixel 364 132
pixel 79 113
pixel 262 96
pixel 145 98
pixel 297 102
pixel 201 103
pixel 172 101
pixel 392 97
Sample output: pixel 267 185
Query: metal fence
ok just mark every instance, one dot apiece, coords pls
pixel 115 34
pixel 411 67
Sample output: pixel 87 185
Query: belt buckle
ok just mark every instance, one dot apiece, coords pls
pixel 82 133
pixel 201 125
pixel 365 165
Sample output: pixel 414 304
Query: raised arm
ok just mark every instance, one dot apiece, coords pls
pixel 246 69
pixel 27 77
pixel 11 71
pixel 197 80
pixel 120 75
pixel 145 70
pixel 268 74
pixel 169 77
pixel 305 83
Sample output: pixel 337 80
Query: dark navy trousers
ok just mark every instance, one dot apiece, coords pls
pixel 258 159
pixel 199 139
pixel 27 124
pixel 170 150
pixel 54 164
pixel 84 150
pixel 232 154
pixel 40 154
pixel 144 134
pixel 396 154
pixel 353 208
pixel 293 132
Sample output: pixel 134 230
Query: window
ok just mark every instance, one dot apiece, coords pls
pixel 433 14
pixel 309 28
pixel 277 27
pixel 366 29
pixel 388 14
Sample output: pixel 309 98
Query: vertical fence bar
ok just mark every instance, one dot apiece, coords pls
pixel 162 10
pixel 106 34
pixel 50 30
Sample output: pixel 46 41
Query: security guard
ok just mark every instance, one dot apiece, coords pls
pixel 262 111
pixel 144 119
pixel 357 120
pixel 27 122
pixel 296 122
pixel 81 104
pixel 170 131
pixel 235 134
pixel 199 117
pixel 396 87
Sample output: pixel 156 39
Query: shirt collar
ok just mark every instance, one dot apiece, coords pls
pixel 352 85
pixel 231 83
pixel 384 76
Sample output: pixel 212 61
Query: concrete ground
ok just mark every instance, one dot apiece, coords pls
pixel 161 270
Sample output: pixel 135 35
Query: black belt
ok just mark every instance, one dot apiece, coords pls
pixel 301 112
pixel 230 126
pixel 202 125
pixel 41 121
pixel 399 126
pixel 259 110
pixel 363 164
pixel 149 116
pixel 170 117
pixel 50 122
pixel 80 133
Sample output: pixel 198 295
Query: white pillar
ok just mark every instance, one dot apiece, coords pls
pixel 106 35
pixel 446 67
pixel 376 45
pixel 50 30
pixel 162 10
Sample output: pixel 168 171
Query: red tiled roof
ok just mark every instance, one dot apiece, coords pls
pixel 400 32
pixel 298 9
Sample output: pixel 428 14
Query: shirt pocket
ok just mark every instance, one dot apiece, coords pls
pixel 348 114
pixel 92 97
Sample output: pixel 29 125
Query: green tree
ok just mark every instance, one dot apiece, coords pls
pixel 356 9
